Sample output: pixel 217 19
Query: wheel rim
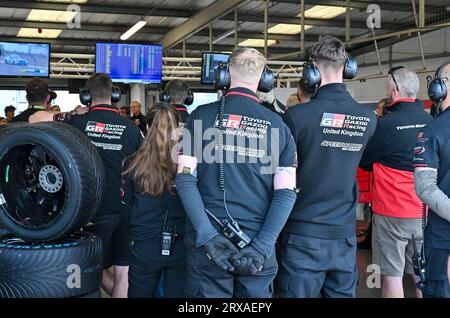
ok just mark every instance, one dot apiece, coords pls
pixel 33 187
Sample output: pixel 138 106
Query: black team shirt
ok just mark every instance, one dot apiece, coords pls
pixel 116 138
pixel 331 133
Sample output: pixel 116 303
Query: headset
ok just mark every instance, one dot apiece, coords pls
pixel 223 79
pixel 86 98
pixel 312 78
pixel 164 96
pixel 437 90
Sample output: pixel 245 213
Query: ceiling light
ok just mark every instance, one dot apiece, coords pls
pixel 284 28
pixel 65 1
pixel 34 33
pixel 256 43
pixel 51 16
pixel 133 30
pixel 324 12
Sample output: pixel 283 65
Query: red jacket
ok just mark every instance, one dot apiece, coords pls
pixel 390 154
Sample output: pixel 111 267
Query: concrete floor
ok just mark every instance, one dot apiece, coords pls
pixel 364 259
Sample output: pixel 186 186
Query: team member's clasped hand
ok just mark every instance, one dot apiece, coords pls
pixel 251 261
pixel 221 251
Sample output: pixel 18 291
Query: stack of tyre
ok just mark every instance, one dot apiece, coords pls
pixel 51 185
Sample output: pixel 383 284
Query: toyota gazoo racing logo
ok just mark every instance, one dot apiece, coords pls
pixel 93 126
pixel 332 120
pixel 232 121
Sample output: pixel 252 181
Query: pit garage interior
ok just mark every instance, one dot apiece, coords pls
pixel 379 34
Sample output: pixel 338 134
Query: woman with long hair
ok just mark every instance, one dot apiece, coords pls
pixel 157 217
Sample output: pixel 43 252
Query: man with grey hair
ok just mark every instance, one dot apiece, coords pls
pixel 235 187
pixel 397 211
pixel 432 183
pixel 318 244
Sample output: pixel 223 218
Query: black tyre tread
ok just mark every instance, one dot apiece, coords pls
pixel 41 273
pixel 94 156
pixel 86 167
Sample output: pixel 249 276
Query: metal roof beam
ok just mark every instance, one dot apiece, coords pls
pixel 140 11
pixel 198 21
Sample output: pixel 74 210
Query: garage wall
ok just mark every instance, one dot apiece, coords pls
pixel 435 43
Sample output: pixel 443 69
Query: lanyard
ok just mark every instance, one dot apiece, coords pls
pixel 38 107
pixel 244 95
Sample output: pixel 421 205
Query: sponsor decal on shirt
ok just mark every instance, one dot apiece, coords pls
pixel 332 120
pixel 104 131
pixel 411 127
pixel 244 126
pixel 344 125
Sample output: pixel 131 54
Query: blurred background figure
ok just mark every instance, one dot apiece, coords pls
pixel 56 109
pixel 269 101
pixel 3 121
pixel 292 100
pixel 380 110
pixel 138 117
pixel 9 112
pixel 125 111
pixel 304 95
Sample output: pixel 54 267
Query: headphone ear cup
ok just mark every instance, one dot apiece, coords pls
pixel 267 81
pixel 116 95
pixel 164 97
pixel 437 90
pixel 350 68
pixel 311 76
pixel 189 98
pixel 85 97
pixel 223 78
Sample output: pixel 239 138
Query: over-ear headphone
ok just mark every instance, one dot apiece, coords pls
pixel 164 96
pixel 86 97
pixel 437 90
pixel 223 79
pixel 312 77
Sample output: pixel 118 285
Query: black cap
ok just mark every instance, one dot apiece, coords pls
pixel 37 90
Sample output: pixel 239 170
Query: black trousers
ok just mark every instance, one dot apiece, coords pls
pixel 147 265
pixel 312 267
pixel 436 272
pixel 206 280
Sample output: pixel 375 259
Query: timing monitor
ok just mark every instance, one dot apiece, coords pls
pixel 210 63
pixel 130 63
pixel 24 59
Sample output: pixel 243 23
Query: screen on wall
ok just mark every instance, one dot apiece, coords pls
pixel 210 62
pixel 130 63
pixel 24 59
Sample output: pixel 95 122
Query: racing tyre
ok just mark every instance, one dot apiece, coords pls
pixel 68 268
pixel 51 180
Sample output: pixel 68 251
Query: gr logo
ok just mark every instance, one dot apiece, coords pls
pixel 74 278
pixel 332 120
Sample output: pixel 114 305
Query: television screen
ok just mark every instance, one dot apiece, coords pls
pixel 24 59
pixel 130 63
pixel 202 99
pixel 210 62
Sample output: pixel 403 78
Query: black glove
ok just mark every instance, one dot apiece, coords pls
pixel 251 261
pixel 221 251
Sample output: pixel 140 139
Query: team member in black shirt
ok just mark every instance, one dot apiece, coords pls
pixel 432 183
pixel 177 93
pixel 254 188
pixel 318 243
pixel 38 96
pixel 116 138
pixel 157 215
